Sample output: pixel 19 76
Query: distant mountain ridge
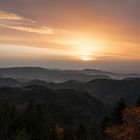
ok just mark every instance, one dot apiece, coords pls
pixel 56 75
pixel 32 73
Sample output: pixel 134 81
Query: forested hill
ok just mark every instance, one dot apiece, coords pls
pixel 107 90
pixel 37 110
pixel 65 105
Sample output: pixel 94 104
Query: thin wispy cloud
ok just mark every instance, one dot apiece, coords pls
pixel 40 30
pixel 6 16
pixel 16 22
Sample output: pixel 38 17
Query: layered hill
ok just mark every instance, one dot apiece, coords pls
pixel 31 73
pixel 66 106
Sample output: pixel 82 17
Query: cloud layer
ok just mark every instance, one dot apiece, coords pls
pixel 14 21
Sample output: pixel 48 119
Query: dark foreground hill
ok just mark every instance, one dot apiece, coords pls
pixel 77 107
pixel 65 106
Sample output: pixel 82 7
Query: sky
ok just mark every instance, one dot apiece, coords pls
pixel 71 34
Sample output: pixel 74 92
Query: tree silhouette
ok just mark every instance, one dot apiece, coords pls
pixel 130 129
pixel 117 114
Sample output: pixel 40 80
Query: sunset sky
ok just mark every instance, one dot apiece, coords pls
pixel 70 34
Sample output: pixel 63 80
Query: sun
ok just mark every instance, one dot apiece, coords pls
pixel 83 49
pixel 86 57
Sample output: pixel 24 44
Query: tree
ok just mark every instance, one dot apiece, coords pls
pixel 117 114
pixel 104 125
pixel 81 133
pixel 92 131
pixel 35 121
pixel 8 120
pixel 116 117
pixel 23 135
pixel 138 102
pixel 130 129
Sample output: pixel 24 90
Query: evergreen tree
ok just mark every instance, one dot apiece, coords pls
pixel 81 133
pixel 92 132
pixel 8 117
pixel 69 134
pixel 22 135
pixel 106 122
pixel 117 115
pixel 138 102
pixel 35 122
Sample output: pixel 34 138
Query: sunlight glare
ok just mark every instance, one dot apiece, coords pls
pixel 86 58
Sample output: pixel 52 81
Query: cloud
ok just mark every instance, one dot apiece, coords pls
pixel 9 16
pixel 40 30
pixel 12 16
pixel 16 22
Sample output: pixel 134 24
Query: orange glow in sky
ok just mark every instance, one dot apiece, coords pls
pixel 76 30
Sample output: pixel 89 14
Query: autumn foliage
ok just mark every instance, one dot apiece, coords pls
pixel 130 129
pixel 59 132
